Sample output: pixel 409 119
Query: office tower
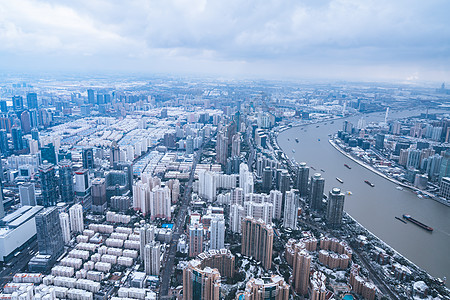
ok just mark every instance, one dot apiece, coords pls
pixel 48 153
pixel 34 118
pixel 335 208
pixel 273 288
pixel 160 203
pixel 4 148
pixel 32 101
pixel 189 144
pixel 222 148
pixel 290 209
pixel 49 185
pixel 379 141
pixel 25 121
pixel 200 284
pixel 195 239
pixel 114 156
pixel 91 98
pixel 316 192
pixel 65 226
pixel 17 102
pixel 88 158
pixel 217 230
pixel 98 191
pixel 76 218
pixel 146 236
pixel 82 188
pixel 49 233
pixel 301 180
pixel 257 241
pixel 245 179
pixel 152 254
pixel 17 139
pixel 27 194
pixel 3 107
pixel 267 179
pixel 276 198
pixel 236 145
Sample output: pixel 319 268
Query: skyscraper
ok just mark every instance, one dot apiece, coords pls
pixel 17 102
pixel 189 144
pixel 257 241
pixel 146 236
pixel 4 148
pixel 379 141
pixel 290 209
pixel 49 233
pixel 195 239
pixel 98 191
pixel 335 208
pixel 217 229
pixel 200 284
pixel 17 139
pixel 48 153
pixel 32 101
pixel 91 98
pixel 160 203
pixel 222 148
pixel 300 271
pixel 273 288
pixel 301 180
pixel 236 145
pixel 284 182
pixel 88 158
pixel 316 192
pixel 27 194
pixel 267 179
pixel 82 188
pixel 65 226
pixel 66 180
pixel 49 185
pixel 152 254
pixel 114 156
pixel 25 121
pixel 76 218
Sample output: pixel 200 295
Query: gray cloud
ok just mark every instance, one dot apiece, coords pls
pixel 237 36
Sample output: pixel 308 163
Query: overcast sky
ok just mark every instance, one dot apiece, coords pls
pixel 335 39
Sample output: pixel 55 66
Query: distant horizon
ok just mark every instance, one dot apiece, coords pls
pixel 378 41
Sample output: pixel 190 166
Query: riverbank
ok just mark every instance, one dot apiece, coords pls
pixel 379 173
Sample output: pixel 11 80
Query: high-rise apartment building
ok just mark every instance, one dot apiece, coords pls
pixel 222 148
pixel 114 156
pixel 335 208
pixel 200 284
pixel 49 233
pixel 276 198
pixel 217 233
pixel 257 240
pixel 236 145
pixel 146 236
pixel 32 102
pixel 17 102
pixel 273 288
pixel 195 239
pixel 76 218
pixel 267 179
pixel 49 185
pixel 245 179
pixel 65 226
pixel 152 256
pixel 291 209
pixel 66 180
pixel 316 192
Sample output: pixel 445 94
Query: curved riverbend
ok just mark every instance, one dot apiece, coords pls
pixel 376 207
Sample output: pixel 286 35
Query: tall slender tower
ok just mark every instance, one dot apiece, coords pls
pixel 316 192
pixel 66 180
pixel 291 209
pixel 65 226
pixel 49 185
pixel 76 218
pixel 335 208
pixel 257 240
pixel 217 229
pixel 301 180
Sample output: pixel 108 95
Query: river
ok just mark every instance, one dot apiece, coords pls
pixel 376 207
